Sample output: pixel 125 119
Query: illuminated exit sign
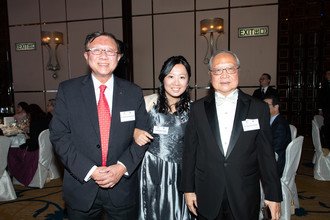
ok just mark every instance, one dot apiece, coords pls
pixel 253 31
pixel 25 46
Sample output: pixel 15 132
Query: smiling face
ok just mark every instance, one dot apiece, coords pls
pixel 176 83
pixel 102 65
pixel 224 82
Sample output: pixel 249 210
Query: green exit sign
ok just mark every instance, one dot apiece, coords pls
pixel 25 46
pixel 253 31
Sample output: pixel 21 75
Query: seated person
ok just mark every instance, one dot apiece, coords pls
pixel 21 115
pixel 23 161
pixel 280 131
pixel 265 89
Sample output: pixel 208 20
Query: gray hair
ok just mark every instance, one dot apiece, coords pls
pixel 238 63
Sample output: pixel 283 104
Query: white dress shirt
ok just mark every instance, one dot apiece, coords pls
pixel 226 108
pixel 108 92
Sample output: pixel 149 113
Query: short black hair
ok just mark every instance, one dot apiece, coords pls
pixel 274 98
pixel 267 75
pixel 91 37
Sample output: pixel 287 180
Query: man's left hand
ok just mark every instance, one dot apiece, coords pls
pixel 275 209
pixel 114 174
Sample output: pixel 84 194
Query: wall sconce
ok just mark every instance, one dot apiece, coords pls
pixel 211 25
pixel 51 40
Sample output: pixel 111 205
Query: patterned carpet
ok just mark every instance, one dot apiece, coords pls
pixel 47 203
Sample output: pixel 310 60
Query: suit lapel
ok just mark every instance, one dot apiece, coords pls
pixel 211 113
pixel 88 95
pixel 242 108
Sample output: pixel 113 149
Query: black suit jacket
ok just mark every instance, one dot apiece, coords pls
pixel 270 91
pixel 249 159
pixel 74 132
pixel 281 138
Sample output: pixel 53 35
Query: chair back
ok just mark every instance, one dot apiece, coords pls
pixel 45 149
pixel 289 188
pixel 292 159
pixel 319 119
pixel 316 137
pixel 4 147
pixel 293 130
pixel 7 191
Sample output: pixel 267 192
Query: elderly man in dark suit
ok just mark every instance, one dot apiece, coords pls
pixel 265 89
pixel 92 132
pixel 228 150
pixel 280 131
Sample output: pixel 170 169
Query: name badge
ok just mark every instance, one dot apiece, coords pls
pixel 251 124
pixel 127 116
pixel 160 130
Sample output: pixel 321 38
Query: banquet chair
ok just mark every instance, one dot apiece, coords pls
pixel 289 189
pixel 7 191
pixel 293 130
pixel 319 119
pixel 322 159
pixel 47 169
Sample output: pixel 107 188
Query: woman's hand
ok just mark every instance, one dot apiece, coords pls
pixel 141 137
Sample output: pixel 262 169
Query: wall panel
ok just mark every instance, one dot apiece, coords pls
pixel 51 11
pixel 161 6
pixel 169 43
pixel 142 47
pixel 112 8
pixel 84 9
pixel 211 4
pixel 26 65
pixel 23 12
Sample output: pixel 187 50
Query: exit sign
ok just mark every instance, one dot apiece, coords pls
pixel 25 46
pixel 253 31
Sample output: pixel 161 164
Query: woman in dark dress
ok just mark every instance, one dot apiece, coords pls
pixel 23 161
pixel 160 172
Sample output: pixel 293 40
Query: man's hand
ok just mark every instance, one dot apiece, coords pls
pixel 275 209
pixel 191 201
pixel 108 177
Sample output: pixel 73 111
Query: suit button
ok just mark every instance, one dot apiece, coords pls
pixel 98 146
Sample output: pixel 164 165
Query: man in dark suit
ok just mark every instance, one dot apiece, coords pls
pixel 280 131
pixel 265 89
pixel 92 133
pixel 228 150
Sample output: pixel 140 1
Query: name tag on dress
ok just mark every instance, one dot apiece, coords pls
pixel 160 130
pixel 251 124
pixel 127 116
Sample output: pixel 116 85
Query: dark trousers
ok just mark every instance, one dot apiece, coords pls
pixel 103 208
pixel 225 212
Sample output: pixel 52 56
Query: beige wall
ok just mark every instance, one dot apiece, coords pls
pixel 160 29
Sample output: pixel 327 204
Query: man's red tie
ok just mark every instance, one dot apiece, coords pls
pixel 103 111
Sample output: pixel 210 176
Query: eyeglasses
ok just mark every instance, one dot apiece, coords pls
pixel 230 70
pixel 98 51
